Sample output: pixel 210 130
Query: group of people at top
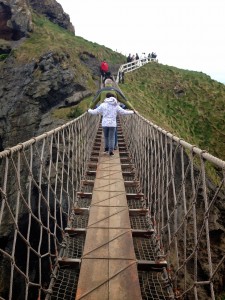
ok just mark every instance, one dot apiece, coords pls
pixel 109 102
pixel 131 58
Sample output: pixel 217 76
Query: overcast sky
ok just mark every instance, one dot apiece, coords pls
pixel 188 34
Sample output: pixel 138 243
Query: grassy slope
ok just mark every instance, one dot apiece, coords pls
pixel 197 115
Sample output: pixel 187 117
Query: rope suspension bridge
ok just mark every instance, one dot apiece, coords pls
pixel 76 223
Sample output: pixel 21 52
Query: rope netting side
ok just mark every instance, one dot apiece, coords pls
pixel 184 188
pixel 38 184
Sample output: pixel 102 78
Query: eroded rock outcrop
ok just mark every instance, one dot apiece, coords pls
pixel 15 19
pixel 54 12
pixel 30 91
pixel 28 94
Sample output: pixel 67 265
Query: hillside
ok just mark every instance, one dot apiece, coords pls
pixel 188 104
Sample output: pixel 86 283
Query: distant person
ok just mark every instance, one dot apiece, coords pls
pixel 109 110
pixel 129 58
pixel 137 56
pixel 104 68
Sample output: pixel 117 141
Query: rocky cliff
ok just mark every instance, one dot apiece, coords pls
pixel 29 92
pixel 16 17
pixel 53 11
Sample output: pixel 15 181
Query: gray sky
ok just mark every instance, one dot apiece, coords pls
pixel 187 34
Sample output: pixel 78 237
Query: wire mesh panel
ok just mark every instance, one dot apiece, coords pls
pixel 144 248
pixel 74 246
pixel 152 286
pixel 66 284
pixel 83 202
pixel 136 204
pixel 139 222
pixel 80 221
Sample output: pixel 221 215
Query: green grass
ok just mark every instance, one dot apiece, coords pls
pixel 3 56
pixel 197 114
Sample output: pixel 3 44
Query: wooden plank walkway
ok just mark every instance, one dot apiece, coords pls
pixel 108 266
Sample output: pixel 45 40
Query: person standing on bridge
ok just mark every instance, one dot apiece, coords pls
pixel 102 94
pixel 109 110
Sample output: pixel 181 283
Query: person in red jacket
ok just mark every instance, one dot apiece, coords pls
pixel 104 68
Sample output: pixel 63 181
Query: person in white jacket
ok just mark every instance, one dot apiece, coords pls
pixel 109 110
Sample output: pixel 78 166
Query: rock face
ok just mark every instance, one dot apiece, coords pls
pixel 26 104
pixel 29 92
pixel 16 19
pixel 53 11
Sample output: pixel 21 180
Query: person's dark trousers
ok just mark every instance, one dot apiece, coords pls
pixel 109 137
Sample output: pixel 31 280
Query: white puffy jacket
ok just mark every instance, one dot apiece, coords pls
pixel 109 110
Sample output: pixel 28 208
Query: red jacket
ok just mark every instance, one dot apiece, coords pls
pixel 104 66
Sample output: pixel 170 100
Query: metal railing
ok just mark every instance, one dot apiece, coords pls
pixel 184 188
pixel 38 184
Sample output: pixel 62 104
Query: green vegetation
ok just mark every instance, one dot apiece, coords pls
pixel 188 104
pixel 3 56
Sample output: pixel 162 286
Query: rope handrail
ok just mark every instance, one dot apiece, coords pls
pixel 195 149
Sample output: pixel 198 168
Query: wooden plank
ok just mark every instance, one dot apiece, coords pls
pixel 124 283
pixel 93 280
pixel 108 198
